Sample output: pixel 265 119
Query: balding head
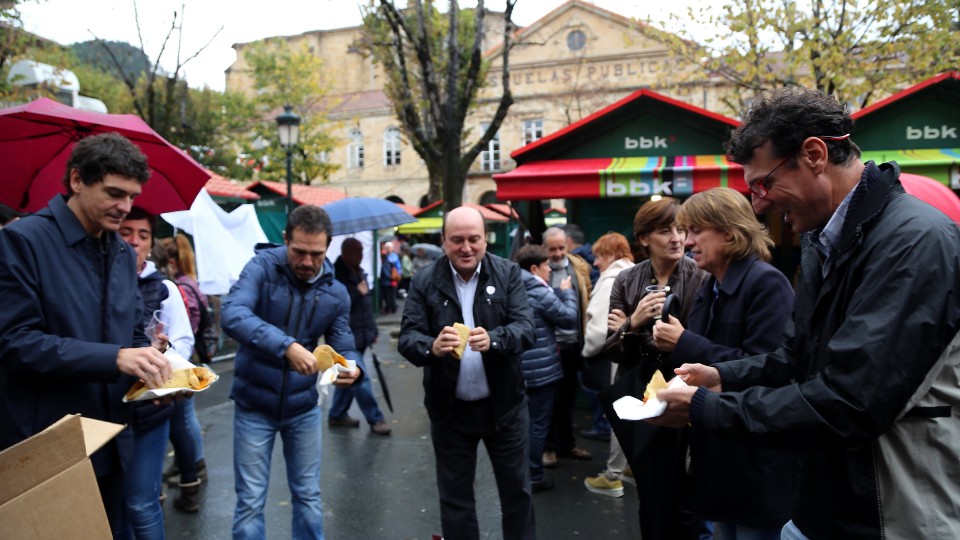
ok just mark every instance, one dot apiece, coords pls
pixel 555 240
pixel 464 239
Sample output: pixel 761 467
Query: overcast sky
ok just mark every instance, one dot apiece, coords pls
pixel 70 21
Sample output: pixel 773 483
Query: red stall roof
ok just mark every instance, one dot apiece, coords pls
pixel 317 196
pixel 619 177
pixel 219 186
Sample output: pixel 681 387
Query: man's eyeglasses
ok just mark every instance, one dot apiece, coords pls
pixel 759 188
pixel 762 186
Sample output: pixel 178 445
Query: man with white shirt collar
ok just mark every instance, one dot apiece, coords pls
pixel 481 396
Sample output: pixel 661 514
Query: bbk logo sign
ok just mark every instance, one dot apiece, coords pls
pixel 931 132
pixel 644 187
pixel 645 143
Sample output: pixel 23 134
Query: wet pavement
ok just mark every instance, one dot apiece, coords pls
pixel 375 487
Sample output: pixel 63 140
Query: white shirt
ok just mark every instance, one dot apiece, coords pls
pixel 173 315
pixel 472 382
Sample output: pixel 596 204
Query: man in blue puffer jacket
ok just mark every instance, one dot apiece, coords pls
pixel 541 364
pixel 285 300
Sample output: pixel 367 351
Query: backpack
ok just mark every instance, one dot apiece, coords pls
pixel 200 345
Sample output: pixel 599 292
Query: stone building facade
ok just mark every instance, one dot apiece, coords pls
pixel 567 65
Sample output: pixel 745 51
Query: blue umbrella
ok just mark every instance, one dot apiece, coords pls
pixel 355 214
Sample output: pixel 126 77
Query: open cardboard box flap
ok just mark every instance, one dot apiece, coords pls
pixel 50 474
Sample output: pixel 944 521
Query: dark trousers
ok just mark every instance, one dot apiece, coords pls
pixel 388 296
pixel 455 449
pixel 666 506
pixel 111 492
pixel 540 405
pixel 561 439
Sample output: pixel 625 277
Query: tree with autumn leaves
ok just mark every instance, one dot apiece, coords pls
pixel 860 51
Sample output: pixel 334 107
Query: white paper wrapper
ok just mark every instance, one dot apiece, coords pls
pixel 327 377
pixel 176 362
pixel 631 408
pixel 325 380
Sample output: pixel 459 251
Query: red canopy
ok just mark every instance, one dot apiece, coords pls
pixel 619 177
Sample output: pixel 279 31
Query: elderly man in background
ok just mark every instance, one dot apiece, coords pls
pixel 561 441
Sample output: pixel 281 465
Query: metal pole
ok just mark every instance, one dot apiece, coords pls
pixel 289 182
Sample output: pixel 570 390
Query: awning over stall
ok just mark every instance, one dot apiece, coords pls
pixel 619 177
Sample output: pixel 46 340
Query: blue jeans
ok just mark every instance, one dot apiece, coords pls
pixel 253 437
pixel 600 423
pixel 540 405
pixel 186 439
pixel 363 393
pixel 141 484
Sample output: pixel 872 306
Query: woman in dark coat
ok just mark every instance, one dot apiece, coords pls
pixel 741 311
pixel 657 456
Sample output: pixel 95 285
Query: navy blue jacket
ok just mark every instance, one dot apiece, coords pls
pixel 737 480
pixel 268 309
pixel 70 302
pixel 551 310
pixel 362 323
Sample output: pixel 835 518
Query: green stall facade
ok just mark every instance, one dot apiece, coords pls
pixel 919 128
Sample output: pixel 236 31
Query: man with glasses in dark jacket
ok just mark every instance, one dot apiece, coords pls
pixel 865 387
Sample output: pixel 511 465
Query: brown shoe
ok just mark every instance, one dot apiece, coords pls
pixel 346 421
pixel 380 428
pixel 577 453
pixel 549 459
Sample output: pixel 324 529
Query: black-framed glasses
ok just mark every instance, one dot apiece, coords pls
pixel 761 187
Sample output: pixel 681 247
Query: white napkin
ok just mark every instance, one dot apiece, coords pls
pixel 631 408
pixel 176 362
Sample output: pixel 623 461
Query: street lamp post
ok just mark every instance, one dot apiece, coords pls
pixel 288 124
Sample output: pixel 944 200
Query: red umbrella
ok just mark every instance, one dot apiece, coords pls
pixel 933 193
pixel 36 140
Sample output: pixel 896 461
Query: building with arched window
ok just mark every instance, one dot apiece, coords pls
pixel 574 61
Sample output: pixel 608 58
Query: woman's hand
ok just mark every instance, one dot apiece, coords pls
pixel 649 306
pixel 615 319
pixel 667 334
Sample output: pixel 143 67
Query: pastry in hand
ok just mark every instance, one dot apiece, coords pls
pixel 657 382
pixel 196 378
pixel 464 332
pixel 327 357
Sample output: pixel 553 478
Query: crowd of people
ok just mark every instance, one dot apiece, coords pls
pixel 820 408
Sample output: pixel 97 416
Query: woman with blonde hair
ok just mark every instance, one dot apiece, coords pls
pixel 741 311
pixel 611 255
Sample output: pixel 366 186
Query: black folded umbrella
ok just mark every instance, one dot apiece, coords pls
pixel 383 382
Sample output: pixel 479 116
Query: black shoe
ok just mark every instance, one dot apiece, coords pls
pixel 543 485
pixel 595 435
pixel 346 421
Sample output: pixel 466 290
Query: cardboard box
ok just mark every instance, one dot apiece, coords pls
pixel 47 485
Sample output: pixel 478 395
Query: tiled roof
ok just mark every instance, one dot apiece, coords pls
pixel 362 101
pixel 219 186
pixel 315 195
pixel 503 209
pixel 408 208
pixel 487 213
